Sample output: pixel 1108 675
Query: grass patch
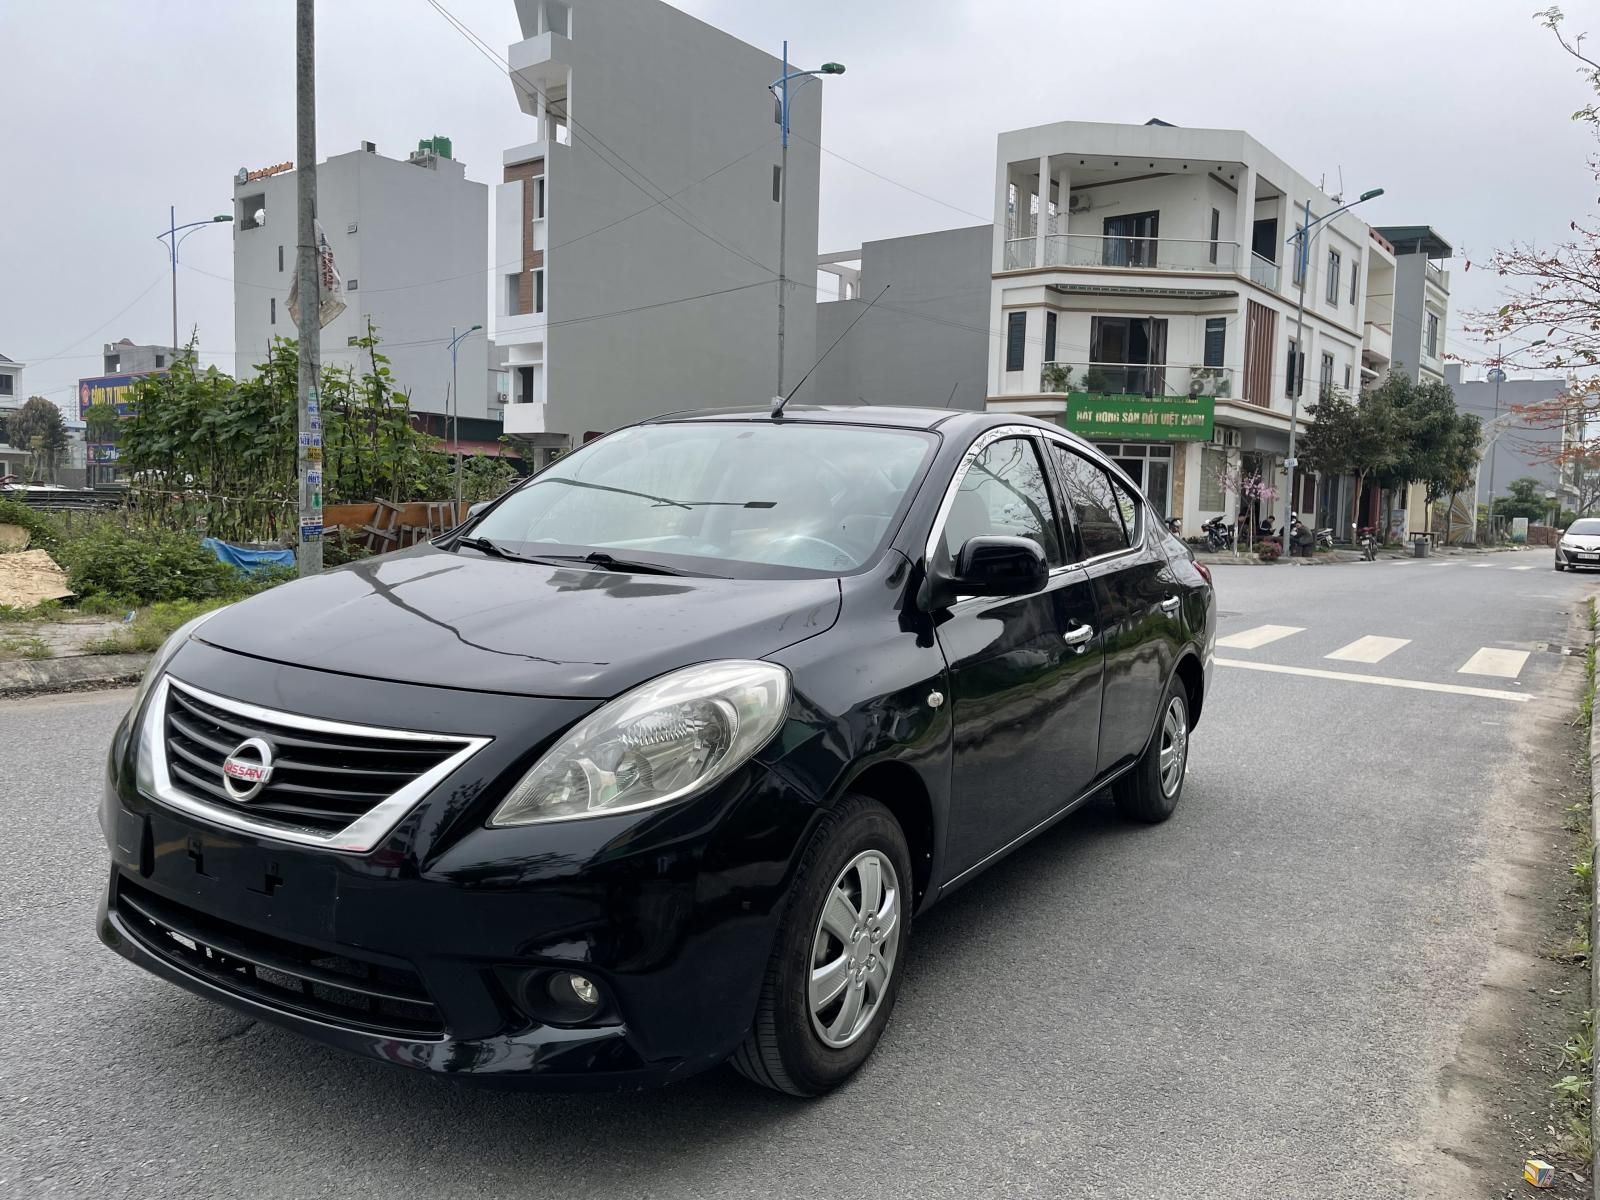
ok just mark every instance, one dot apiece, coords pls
pixel 15 647
pixel 47 610
pixel 151 626
pixel 1576 1090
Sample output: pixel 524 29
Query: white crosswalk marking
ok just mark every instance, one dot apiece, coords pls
pixel 1442 563
pixel 1369 649
pixel 1504 664
pixel 1483 566
pixel 1252 639
pixel 1529 567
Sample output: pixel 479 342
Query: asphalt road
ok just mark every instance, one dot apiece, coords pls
pixel 1257 998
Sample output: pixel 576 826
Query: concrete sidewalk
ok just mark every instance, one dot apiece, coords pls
pixel 1343 554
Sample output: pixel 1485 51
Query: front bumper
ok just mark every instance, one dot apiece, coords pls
pixel 415 953
pixel 1578 559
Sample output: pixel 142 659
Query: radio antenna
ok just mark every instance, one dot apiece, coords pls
pixel 779 401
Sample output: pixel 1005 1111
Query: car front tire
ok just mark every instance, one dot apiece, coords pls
pixel 1150 790
pixel 839 954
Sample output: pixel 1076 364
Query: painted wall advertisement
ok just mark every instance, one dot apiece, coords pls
pixel 1138 419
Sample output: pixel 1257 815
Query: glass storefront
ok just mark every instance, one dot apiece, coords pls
pixel 1148 465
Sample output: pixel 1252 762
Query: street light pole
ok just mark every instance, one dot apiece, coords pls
pixel 1302 238
pixel 172 241
pixel 780 88
pixel 1498 375
pixel 454 415
pixel 308 277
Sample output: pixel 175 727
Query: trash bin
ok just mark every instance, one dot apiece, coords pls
pixel 1419 546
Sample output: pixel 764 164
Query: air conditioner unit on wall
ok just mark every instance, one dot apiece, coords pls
pixel 1221 436
pixel 1078 204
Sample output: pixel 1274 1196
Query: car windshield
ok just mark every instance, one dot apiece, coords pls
pixel 1588 527
pixel 726 498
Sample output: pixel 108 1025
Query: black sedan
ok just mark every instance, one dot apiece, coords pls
pixel 654 762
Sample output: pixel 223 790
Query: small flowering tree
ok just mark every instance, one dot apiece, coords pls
pixel 1246 486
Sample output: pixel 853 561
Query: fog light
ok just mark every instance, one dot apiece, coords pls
pixel 562 997
pixel 588 995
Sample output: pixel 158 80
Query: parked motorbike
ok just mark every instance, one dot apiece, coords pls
pixel 1219 536
pixel 1174 526
pixel 1324 539
pixel 1367 535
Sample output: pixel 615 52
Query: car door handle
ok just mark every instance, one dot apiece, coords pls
pixel 1170 604
pixel 1078 637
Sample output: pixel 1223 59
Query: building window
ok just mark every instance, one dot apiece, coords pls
pixel 1050 337
pixel 1355 273
pixel 161 361
pixel 1216 229
pixel 777 183
pixel 1327 374
pixel 272 310
pixel 8 385
pixel 353 286
pixel 1334 263
pixel 538 197
pixel 524 385
pixel 777 110
pixel 1216 340
pixel 113 364
pixel 253 211
pixel 538 291
pixel 1130 241
pixel 1433 335
pixel 280 260
pixel 1300 249
pixel 513 295
pixel 1295 371
pixel 1347 377
pixel 1016 339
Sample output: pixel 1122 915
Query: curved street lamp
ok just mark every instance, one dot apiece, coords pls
pixel 455 409
pixel 170 239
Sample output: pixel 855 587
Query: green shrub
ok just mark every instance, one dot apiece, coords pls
pixel 139 565
pixel 43 533
pixel 152 626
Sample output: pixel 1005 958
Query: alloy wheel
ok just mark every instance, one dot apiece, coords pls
pixel 854 948
pixel 1174 746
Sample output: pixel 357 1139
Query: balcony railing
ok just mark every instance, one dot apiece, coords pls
pixel 1151 254
pixel 1438 276
pixel 1264 271
pixel 1136 379
pixel 1020 254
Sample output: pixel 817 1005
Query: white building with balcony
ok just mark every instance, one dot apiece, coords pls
pixel 1144 292
pixel 1420 300
pixel 636 234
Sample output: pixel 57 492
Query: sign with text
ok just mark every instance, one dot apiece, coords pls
pixel 1137 419
pixel 115 390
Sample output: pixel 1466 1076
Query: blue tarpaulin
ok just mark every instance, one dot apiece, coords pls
pixel 251 562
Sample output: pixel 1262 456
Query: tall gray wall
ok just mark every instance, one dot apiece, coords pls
pixel 1517 449
pixel 926 336
pixel 686 106
pixel 1410 309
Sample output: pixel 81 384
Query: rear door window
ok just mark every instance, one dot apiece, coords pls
pixel 1104 513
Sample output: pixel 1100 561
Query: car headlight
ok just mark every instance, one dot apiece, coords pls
pixel 163 656
pixel 662 741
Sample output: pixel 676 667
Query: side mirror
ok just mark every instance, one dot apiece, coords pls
pixel 995 565
pixel 477 508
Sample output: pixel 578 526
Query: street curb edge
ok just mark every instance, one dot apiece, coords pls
pixel 1594 907
pixel 37 676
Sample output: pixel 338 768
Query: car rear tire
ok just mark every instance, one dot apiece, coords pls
pixel 836 964
pixel 1150 790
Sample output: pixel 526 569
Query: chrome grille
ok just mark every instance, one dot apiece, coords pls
pixel 331 783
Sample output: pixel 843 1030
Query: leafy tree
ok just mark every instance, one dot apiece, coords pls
pixel 1524 498
pixel 101 422
pixel 1347 438
pixel 39 426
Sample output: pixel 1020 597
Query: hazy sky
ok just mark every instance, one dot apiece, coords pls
pixel 114 109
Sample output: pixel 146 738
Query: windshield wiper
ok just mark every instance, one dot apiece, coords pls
pixel 607 562
pixel 484 546
pixel 660 501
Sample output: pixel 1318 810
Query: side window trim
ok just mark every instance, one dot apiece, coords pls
pixel 1116 477
pixel 983 441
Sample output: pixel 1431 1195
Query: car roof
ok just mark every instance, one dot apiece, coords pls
pixel 893 415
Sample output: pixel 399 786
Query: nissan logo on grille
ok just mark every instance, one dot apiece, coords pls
pixel 246 771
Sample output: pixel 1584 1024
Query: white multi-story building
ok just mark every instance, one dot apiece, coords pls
pixel 1419 299
pixel 10 381
pixel 1144 294
pixel 637 231
pixel 410 239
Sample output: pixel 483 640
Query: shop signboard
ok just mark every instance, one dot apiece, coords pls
pixel 1139 418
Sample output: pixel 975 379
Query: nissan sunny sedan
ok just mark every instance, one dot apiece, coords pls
pixel 655 762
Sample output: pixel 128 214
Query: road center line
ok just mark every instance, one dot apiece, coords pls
pixel 1416 685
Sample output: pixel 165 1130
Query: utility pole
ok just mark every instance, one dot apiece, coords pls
pixel 1498 375
pixel 783 209
pixel 172 232
pixel 308 271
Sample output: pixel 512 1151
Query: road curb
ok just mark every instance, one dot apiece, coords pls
pixel 1594 910
pixel 32 676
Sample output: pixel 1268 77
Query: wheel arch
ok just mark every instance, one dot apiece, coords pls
pixel 1193 677
pixel 899 788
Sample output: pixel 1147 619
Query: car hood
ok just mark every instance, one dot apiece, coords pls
pixel 433 617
